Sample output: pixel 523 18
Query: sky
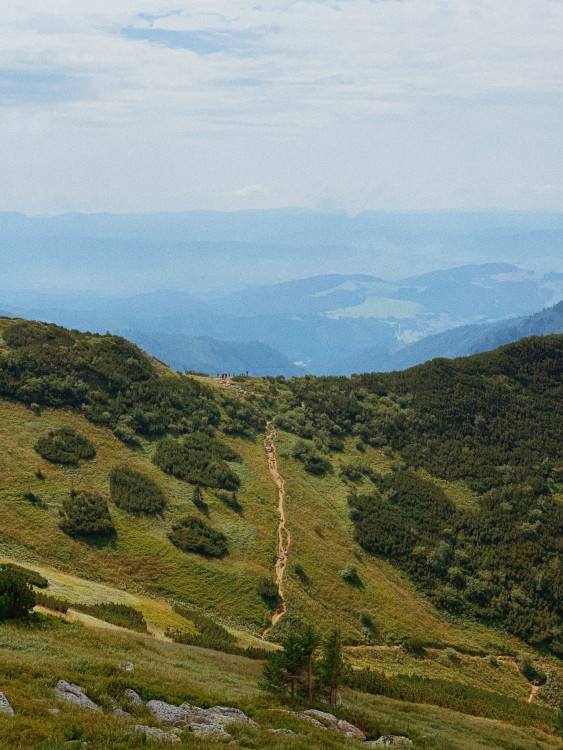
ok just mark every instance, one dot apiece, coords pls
pixel 157 105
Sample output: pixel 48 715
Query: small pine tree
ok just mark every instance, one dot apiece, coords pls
pixel 292 668
pixel 332 665
pixel 16 595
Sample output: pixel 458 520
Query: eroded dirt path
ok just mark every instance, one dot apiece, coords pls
pixel 284 536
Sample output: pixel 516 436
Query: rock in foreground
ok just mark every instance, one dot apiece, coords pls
pixel 72 693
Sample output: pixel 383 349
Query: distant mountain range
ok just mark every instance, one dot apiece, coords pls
pixel 207 252
pixel 329 324
pixel 457 342
pixel 204 354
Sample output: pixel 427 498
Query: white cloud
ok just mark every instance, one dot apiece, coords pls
pixel 315 98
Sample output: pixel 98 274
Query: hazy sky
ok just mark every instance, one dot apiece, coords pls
pixel 233 104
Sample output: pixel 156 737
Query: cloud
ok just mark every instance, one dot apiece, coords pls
pixel 441 102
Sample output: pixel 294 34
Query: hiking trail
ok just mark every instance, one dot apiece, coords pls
pixel 284 537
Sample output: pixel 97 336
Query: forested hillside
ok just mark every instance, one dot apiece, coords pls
pixel 493 421
pixel 422 512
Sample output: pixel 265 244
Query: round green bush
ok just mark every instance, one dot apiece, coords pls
pixel 16 595
pixel 134 492
pixel 194 535
pixel 65 446
pixel 86 514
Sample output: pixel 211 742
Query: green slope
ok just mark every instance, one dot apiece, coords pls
pixel 366 428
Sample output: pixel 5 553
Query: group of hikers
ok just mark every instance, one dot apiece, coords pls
pixel 226 375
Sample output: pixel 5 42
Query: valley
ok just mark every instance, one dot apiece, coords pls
pixel 416 667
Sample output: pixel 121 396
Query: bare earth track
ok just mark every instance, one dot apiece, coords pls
pixel 284 536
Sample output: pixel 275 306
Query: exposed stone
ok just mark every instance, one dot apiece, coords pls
pixel 54 711
pixel 297 715
pixel 391 742
pixel 74 694
pixel 287 732
pixel 127 666
pixel 5 707
pixel 209 731
pixel 336 725
pixel 157 734
pixel 167 712
pixel 133 697
pixel 226 715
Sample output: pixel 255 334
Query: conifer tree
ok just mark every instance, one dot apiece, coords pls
pixel 332 665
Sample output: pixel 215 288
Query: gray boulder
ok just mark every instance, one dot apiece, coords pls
pixel 156 734
pixel 336 725
pixel 5 707
pixel 68 691
pixel 127 666
pixel 226 715
pixel 132 697
pixel 167 713
pixel 391 742
pixel 286 732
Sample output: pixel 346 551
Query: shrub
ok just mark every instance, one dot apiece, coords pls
pixel 268 591
pixel 534 674
pixel 31 576
pixel 230 500
pixel 198 501
pixel 193 535
pixel 198 459
pixel 16 595
pixel 117 614
pixel 64 446
pixel 85 514
pixel 367 622
pixel 208 628
pixel 312 461
pixel 31 497
pixel 134 492
pixel 299 571
pixel 211 635
pixel 414 646
pixel 51 602
pixel 350 575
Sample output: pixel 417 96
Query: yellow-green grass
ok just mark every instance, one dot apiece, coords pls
pixel 478 671
pixel 142 557
pixel 142 568
pixel 34 656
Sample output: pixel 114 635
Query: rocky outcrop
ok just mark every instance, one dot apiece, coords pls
pixel 156 734
pixel 132 697
pixel 5 707
pixel 324 720
pixel 74 694
pixel 336 725
pixel 203 722
pixel 222 715
pixel 167 713
pixel 127 666
pixel 285 732
pixel 391 742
